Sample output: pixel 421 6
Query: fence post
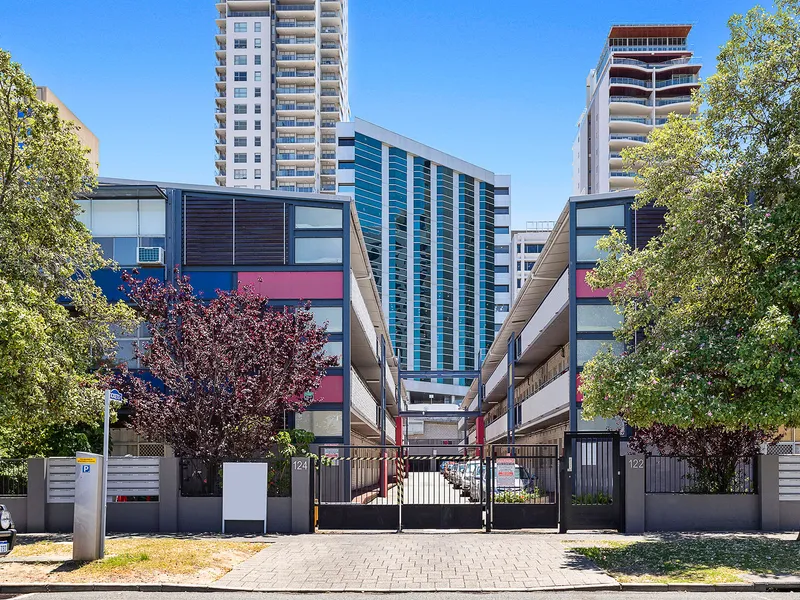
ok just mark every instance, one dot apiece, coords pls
pixel 36 500
pixel 302 469
pixel 634 493
pixel 169 491
pixel 768 492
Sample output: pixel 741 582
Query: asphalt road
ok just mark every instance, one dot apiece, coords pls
pixel 410 596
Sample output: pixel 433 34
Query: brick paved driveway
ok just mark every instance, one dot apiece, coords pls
pixel 415 561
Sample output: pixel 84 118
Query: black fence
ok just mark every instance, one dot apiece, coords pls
pixel 525 474
pixel 357 474
pixel 13 477
pixel 202 478
pixel 701 475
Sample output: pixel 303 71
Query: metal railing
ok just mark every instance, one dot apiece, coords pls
pixel 202 478
pixel 667 101
pixel 678 81
pixel 641 120
pixel 701 475
pixel 630 81
pixel 631 100
pixel 294 7
pixel 622 174
pixel 632 138
pixel 658 65
pixel 13 477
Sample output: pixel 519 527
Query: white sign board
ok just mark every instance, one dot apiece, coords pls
pixel 415 426
pixel 244 492
pixel 505 473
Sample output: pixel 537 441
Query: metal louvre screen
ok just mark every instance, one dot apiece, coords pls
pixel 207 231
pixel 260 233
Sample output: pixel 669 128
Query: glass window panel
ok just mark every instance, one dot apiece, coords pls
pixel 334 349
pixel 588 348
pixel 586 248
pixel 331 314
pixel 317 250
pixel 598 317
pixel 601 216
pixel 306 217
pixel 85 213
pixel 114 217
pixel 152 242
pixel 152 217
pixel 125 251
pixel 106 246
pixel 322 423
pixel 125 352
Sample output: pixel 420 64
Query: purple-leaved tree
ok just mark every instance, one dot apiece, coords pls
pixel 230 367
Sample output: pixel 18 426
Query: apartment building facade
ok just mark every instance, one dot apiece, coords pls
pixel 85 135
pixel 645 72
pixel 290 247
pixel 556 325
pixel 438 236
pixel 526 245
pixel 281 87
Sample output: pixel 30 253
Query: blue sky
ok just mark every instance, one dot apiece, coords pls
pixel 500 84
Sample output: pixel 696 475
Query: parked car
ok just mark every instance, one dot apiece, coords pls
pixel 523 482
pixel 470 469
pixel 8 535
pixel 457 472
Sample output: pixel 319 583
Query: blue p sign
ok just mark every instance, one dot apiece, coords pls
pixel 85 468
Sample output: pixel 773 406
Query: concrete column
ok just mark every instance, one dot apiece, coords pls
pixel 634 493
pixel 769 501
pixel 169 489
pixel 37 494
pixel 302 495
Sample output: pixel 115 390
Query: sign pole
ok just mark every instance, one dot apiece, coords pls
pixel 117 397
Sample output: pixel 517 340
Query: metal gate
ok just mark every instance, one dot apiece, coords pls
pixel 592 483
pixel 399 487
pixel 522 485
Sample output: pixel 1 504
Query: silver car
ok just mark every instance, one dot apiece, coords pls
pixel 472 467
pixel 523 482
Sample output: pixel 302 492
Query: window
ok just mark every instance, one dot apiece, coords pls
pixel 240 125
pixel 258 141
pixel 257 157
pixel 529 264
pixel 501 231
pixel 258 92
pixel 534 248
pixel 322 423
pixel 240 109
pixel 240 75
pixel 240 142
pixel 586 248
pixel 331 314
pixel 308 217
pixel 256 187
pixel 501 289
pixel 347 188
pixel 498 191
pixel 500 269
pixel 501 249
pixel 257 76
pixel 501 210
pixel 240 44
pixel 240 157
pixel 519 265
pixel 240 92
pixel 519 283
pixel 257 125
pixel 257 174
pixel 114 217
pixel 240 27
pixel 127 341
pixel 125 250
pixel 347 164
pixel 317 250
pixel 347 142
pixel 257 109
pixel 501 307
pixel 257 43
pixel 588 348
pixel 257 27
pixel 240 173
pixel 240 59
pixel 334 349
pixel 598 317
pixel 519 248
pixel 257 60
pixel 601 216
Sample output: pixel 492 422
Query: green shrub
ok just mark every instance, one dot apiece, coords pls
pixel 510 497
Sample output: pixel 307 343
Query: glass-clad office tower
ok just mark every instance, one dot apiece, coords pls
pixel 437 233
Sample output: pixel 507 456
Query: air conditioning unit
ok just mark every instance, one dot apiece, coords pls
pixel 150 255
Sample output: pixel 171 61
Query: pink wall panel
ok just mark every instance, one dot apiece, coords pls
pixel 295 285
pixel 584 290
pixel 331 389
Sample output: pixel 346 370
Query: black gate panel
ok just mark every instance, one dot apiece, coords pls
pixel 522 484
pixel 358 516
pixel 592 483
pixel 442 516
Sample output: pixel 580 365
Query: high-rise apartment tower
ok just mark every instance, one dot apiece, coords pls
pixel 281 88
pixel 644 73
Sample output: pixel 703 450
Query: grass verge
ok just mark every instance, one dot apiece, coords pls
pixel 695 560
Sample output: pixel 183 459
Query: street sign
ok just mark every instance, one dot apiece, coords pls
pixel 115 395
pixel 505 473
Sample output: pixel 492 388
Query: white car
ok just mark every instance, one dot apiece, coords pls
pixel 467 474
pixel 523 482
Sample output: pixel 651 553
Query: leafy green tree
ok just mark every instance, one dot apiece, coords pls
pixel 46 256
pixel 716 296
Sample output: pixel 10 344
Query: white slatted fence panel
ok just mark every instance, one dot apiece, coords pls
pixel 789 478
pixel 127 476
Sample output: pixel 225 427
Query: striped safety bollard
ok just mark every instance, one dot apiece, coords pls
pixel 400 486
